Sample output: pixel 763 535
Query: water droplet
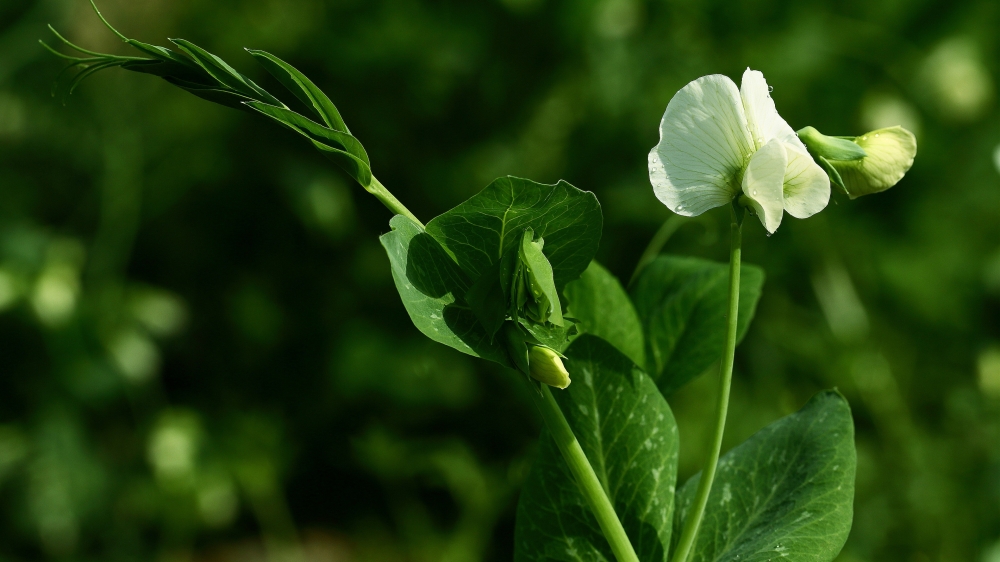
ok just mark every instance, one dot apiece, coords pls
pixel 755 192
pixel 864 137
pixel 679 208
pixel 876 135
pixel 769 234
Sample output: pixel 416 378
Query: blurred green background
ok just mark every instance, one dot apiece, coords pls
pixel 202 355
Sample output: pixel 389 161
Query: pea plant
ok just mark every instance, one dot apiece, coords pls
pixel 509 276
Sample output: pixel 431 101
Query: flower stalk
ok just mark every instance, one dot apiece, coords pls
pixel 590 486
pixel 697 509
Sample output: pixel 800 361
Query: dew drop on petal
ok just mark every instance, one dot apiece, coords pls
pixel 679 207
pixel 864 137
pixel 755 192
pixel 876 135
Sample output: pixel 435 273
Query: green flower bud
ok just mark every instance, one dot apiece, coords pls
pixel 831 148
pixel 890 155
pixel 547 367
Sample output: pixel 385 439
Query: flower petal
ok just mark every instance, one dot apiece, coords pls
pixel 762 117
pixel 806 185
pixel 704 143
pixel 762 183
pixel 890 155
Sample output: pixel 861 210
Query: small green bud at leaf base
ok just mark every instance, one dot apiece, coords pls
pixel 830 148
pixel 890 155
pixel 547 367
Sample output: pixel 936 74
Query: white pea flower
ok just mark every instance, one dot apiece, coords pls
pixel 718 142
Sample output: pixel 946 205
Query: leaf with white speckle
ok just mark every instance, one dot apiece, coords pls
pixel 787 492
pixel 629 435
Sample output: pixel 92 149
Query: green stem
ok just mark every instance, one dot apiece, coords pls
pixel 586 478
pixel 656 244
pixel 697 509
pixel 389 200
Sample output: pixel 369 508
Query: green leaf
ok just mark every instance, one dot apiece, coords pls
pixel 303 88
pixel 168 69
pixel 786 493
pixel 336 139
pixel 487 300
pixel 538 278
pixel 220 96
pixel 356 168
pixel 223 73
pixel 480 230
pixel 432 288
pixel 629 435
pixel 603 308
pixel 682 304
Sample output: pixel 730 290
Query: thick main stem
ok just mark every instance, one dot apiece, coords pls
pixel 389 200
pixel 586 478
pixel 697 509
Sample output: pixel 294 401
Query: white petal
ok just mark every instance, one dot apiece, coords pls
pixel 890 155
pixel 762 117
pixel 807 187
pixel 762 183
pixel 704 144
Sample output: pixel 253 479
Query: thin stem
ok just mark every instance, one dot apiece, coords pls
pixel 697 509
pixel 656 244
pixel 389 200
pixel 586 478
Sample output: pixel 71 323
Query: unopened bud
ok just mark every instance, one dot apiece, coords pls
pixel 890 155
pixel 547 367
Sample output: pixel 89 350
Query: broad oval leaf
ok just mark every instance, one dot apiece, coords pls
pixel 602 307
pixel 479 231
pixel 682 305
pixel 432 287
pixel 629 435
pixel 787 493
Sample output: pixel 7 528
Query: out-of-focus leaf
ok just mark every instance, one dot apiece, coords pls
pixel 603 308
pixel 303 88
pixel 432 288
pixel 682 305
pixel 787 493
pixel 479 231
pixel 629 435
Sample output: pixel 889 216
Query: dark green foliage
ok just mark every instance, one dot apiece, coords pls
pixel 682 305
pixel 477 268
pixel 603 308
pixel 628 432
pixel 209 77
pixel 787 493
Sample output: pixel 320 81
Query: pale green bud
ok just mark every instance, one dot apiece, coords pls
pixel 547 367
pixel 890 154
